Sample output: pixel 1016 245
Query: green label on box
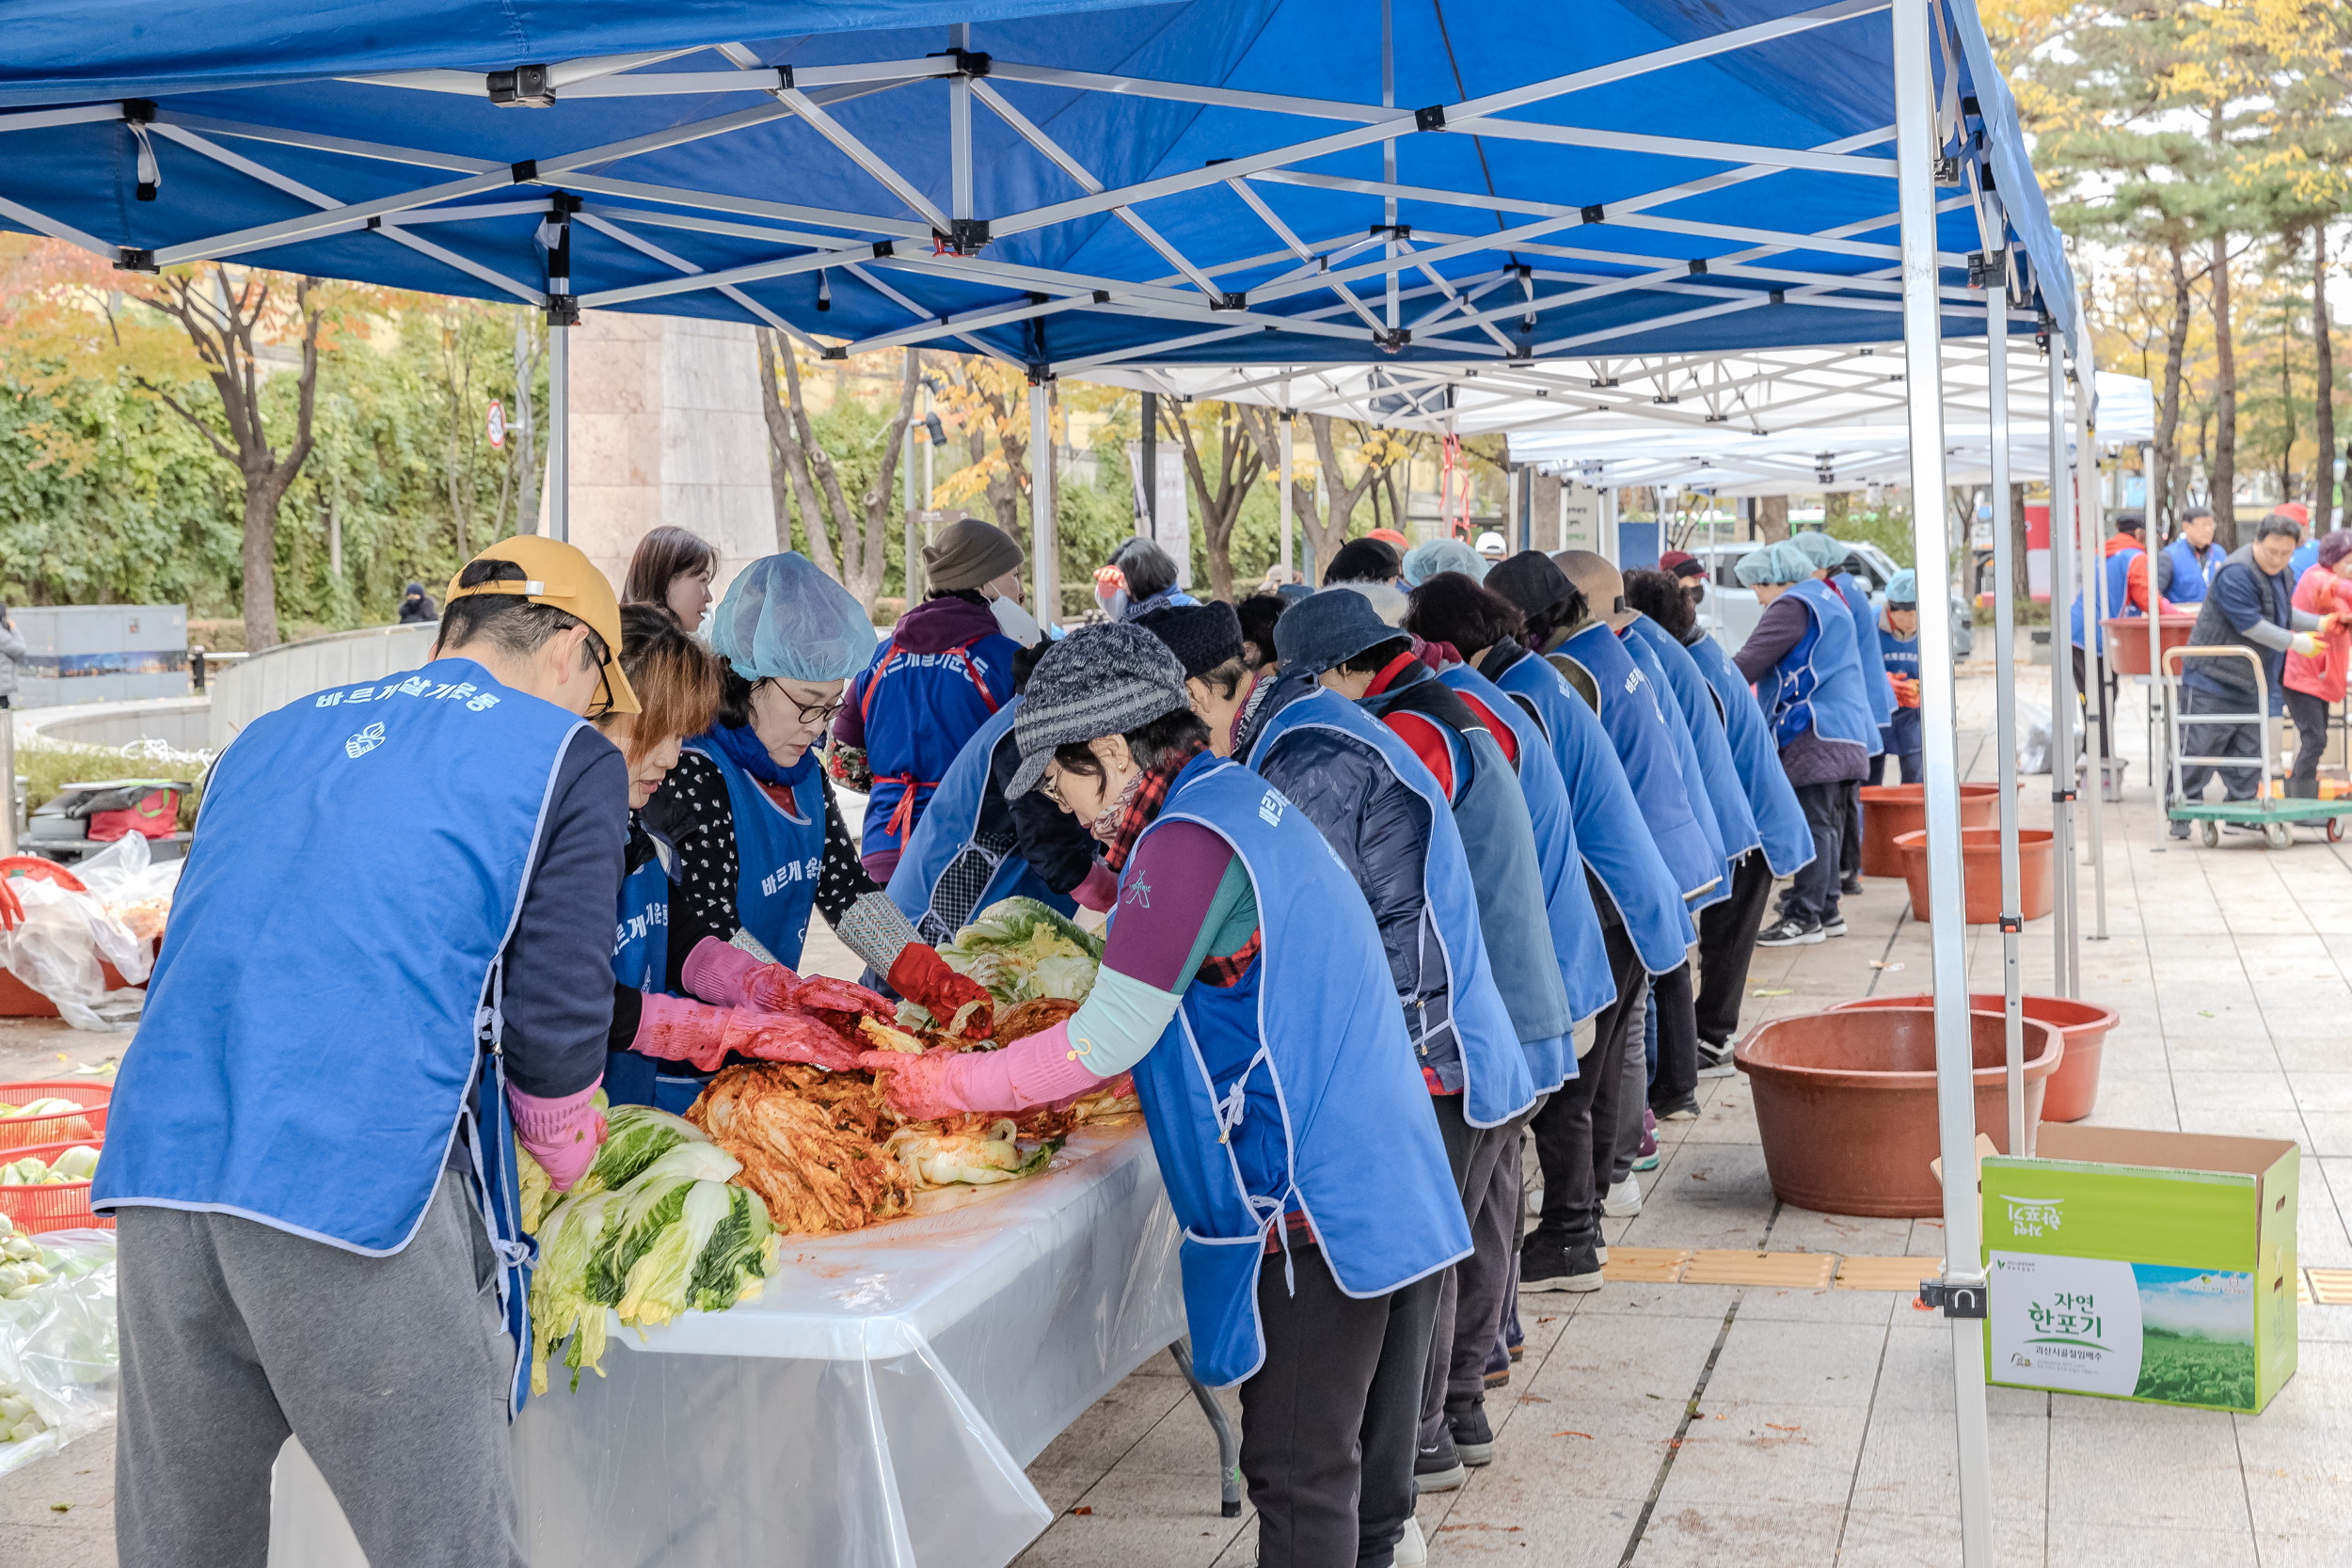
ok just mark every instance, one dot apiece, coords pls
pixel 2189 1219
pixel 2096 1326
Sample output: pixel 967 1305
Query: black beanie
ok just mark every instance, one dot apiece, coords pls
pixel 1201 636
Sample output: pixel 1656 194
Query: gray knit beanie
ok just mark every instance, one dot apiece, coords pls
pixel 967 553
pixel 1098 681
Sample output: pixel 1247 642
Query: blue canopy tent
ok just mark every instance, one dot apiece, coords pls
pixel 1094 189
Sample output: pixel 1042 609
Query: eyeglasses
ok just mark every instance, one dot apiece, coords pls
pixel 1050 786
pixel 817 716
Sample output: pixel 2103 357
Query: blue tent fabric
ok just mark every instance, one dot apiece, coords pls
pixel 257 119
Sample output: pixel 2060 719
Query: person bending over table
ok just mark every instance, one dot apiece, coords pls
pixel 760 839
pixel 1246 987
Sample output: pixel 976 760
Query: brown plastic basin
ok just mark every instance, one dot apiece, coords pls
pixel 2127 639
pixel 2074 1088
pixel 1980 873
pixel 1845 1102
pixel 1891 810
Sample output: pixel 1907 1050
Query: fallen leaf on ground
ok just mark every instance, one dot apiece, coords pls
pixel 1082 1511
pixel 2204 1012
pixel 1786 992
pixel 1882 963
pixel 60 1508
pixel 1777 1427
pixel 1534 1399
pixel 1584 1435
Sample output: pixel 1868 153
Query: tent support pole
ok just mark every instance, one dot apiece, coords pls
pixel 1042 574
pixel 560 432
pixel 2005 710
pixel 2063 964
pixel 1283 484
pixel 2095 612
pixel 1917 149
pixel 1148 515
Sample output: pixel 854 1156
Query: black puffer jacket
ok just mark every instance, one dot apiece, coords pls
pixel 1380 829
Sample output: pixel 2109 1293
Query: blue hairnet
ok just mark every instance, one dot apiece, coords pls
pixel 1819 548
pixel 785 620
pixel 1903 588
pixel 1439 556
pixel 1774 565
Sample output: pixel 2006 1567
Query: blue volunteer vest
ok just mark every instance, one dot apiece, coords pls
pixel 1694 782
pixel 1875 690
pixel 2191 576
pixel 2117 570
pixel 1495 1075
pixel 1506 866
pixel 641 960
pixel 1629 712
pixel 777 857
pixel 1818 686
pixel 1779 819
pixel 1901 655
pixel 316 1030
pixel 943 836
pixel 1726 796
pixel 1293 1090
pixel 919 709
pixel 1611 834
pixel 1576 939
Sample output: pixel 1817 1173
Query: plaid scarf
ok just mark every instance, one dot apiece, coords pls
pixel 1142 807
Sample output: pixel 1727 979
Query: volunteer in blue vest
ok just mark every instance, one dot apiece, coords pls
pixel 1340 638
pixel 976 845
pixel 2125 565
pixel 2249 605
pixel 1291 1124
pixel 1800 658
pixel 1727 930
pixel 1830 557
pixel 1899 649
pixel 944 669
pixel 1671 1091
pixel 1646 927
pixel 760 839
pixel 2185 568
pixel 388 963
pixel 1386 819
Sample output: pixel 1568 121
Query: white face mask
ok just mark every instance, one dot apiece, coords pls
pixel 1015 622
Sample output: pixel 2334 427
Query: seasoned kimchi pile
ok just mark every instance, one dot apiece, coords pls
pixel 827 1153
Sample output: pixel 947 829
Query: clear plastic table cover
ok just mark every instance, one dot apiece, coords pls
pixel 875 1408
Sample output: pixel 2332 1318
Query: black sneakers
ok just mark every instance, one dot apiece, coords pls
pixel 1789 931
pixel 1850 886
pixel 1548 1266
pixel 1686 1108
pixel 1834 927
pixel 1438 1469
pixel 1473 1439
pixel 1715 1059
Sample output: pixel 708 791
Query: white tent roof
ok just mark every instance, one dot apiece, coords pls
pixel 1766 422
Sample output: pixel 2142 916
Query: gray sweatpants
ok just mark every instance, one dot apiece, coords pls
pixel 391 1371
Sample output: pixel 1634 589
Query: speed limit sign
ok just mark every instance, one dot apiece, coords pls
pixel 497 423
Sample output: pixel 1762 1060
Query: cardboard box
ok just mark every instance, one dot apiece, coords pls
pixel 2155 1266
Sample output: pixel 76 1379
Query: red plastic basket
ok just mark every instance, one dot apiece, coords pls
pixel 59 1205
pixel 26 1132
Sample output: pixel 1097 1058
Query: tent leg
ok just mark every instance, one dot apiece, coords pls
pixel 2094 615
pixel 1042 584
pixel 2005 710
pixel 1916 148
pixel 2062 963
pixel 559 431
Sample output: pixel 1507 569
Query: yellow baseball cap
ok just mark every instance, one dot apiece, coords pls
pixel 550 572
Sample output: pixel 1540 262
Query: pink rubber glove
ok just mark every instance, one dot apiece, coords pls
pixel 718 971
pixel 677 1029
pixel 562 1134
pixel 1036 1070
pixel 1100 890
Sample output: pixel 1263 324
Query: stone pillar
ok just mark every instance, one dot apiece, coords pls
pixel 667 428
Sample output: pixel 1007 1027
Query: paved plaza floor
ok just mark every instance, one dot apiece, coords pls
pixel 1678 1425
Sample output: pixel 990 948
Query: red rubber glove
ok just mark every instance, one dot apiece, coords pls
pixel 722 973
pixel 1906 692
pixel 1040 1069
pixel 919 972
pixel 560 1133
pixel 673 1029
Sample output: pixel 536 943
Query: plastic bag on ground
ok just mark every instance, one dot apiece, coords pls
pixel 56 947
pixel 57 1346
pixel 2033 739
pixel 134 887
